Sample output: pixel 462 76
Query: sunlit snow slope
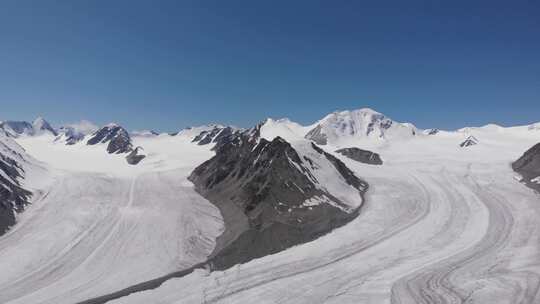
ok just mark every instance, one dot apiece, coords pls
pixel 440 224
pixel 104 224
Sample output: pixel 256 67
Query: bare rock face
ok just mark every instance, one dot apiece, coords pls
pixel 218 135
pixel 317 135
pixel 13 198
pixel 135 156
pixel 528 166
pixel 16 128
pixel 431 131
pixel 117 138
pixel 359 155
pixel 470 141
pixel 269 197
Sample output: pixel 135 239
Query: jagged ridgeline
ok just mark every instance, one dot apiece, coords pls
pixel 118 141
pixel 271 197
pixel 13 197
pixel 528 166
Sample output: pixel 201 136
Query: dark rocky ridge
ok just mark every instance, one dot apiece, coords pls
pixel 260 188
pixel 135 156
pixel 317 136
pixel 13 198
pixel 117 137
pixel 359 155
pixel 528 166
pixel 470 141
pixel 119 142
pixel 70 135
pixel 217 135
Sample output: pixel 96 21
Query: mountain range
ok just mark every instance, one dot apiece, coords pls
pixel 216 213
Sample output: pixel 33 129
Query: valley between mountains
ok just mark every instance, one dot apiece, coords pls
pixel 355 208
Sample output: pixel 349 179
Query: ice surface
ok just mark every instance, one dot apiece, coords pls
pixel 439 224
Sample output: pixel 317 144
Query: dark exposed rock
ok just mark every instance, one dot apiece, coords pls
pixel 528 166
pixel 359 155
pixel 217 135
pixel 261 188
pixel 135 156
pixel 431 131
pixel 470 141
pixel 15 128
pixel 13 198
pixel 317 136
pixel 117 137
pixel 69 135
pixel 41 125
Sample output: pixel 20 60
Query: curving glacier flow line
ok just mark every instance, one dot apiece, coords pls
pixel 430 234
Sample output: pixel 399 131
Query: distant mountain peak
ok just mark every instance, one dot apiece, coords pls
pixel 364 123
pixel 40 125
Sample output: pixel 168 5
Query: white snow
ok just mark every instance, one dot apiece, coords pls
pixel 84 127
pixel 103 224
pixel 436 216
pixel 536 180
pixel 284 128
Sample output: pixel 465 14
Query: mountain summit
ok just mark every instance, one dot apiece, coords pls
pixel 358 124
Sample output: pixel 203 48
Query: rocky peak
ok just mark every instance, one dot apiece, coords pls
pixel 470 141
pixel 528 166
pixel 41 125
pixel 118 138
pixel 13 197
pixel 272 196
pixel 359 155
pixel 16 128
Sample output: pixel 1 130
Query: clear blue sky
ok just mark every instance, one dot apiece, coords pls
pixel 168 64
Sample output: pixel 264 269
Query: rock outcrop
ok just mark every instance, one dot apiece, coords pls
pixel 13 197
pixel 116 137
pixel 528 166
pixel 470 141
pixel 270 196
pixel 359 155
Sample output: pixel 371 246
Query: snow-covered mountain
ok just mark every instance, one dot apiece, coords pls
pixel 274 195
pixel 38 127
pixel 282 216
pixel 359 124
pixel 73 133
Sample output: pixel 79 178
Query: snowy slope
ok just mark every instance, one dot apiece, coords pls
pixel 440 223
pixel 341 128
pixel 104 224
pixel 38 127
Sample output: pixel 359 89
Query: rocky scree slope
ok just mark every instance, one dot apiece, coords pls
pixel 13 197
pixel 528 166
pixel 270 196
pixel 217 135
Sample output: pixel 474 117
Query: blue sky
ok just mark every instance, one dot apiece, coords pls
pixel 169 64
